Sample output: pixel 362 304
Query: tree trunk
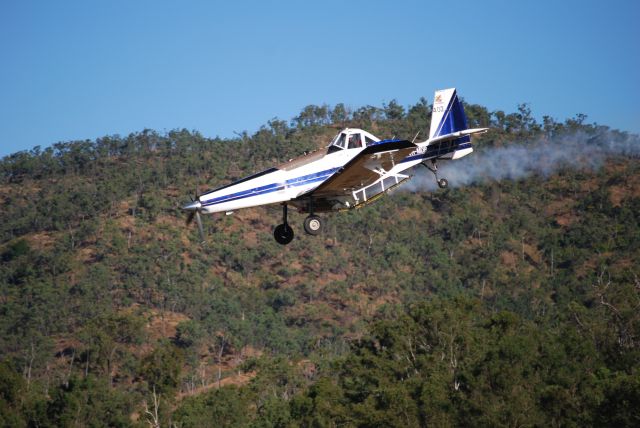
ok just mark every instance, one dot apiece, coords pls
pixel 30 366
pixel 220 361
pixel 152 415
pixel 73 356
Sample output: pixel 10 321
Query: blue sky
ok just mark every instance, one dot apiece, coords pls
pixel 80 70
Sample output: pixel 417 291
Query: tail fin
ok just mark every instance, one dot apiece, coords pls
pixel 448 114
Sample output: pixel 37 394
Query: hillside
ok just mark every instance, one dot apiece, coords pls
pixel 508 299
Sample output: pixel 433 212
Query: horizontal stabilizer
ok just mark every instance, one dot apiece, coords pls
pixel 457 134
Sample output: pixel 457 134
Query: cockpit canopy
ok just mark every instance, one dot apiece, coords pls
pixel 353 139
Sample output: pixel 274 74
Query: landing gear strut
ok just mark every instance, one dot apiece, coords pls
pixel 442 182
pixel 283 233
pixel 312 224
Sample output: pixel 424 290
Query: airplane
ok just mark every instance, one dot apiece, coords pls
pixel 353 171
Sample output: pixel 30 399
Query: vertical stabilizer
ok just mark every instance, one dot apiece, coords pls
pixel 448 114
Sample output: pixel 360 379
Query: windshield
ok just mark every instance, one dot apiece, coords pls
pixel 339 141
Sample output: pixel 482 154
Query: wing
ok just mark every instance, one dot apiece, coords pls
pixel 369 166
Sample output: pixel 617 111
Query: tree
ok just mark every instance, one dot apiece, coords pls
pixel 340 114
pixel 161 369
pixel 393 110
pixel 12 388
pixel 223 407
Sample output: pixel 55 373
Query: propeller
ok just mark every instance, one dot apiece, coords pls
pixel 194 208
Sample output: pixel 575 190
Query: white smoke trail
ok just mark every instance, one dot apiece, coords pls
pixel 542 157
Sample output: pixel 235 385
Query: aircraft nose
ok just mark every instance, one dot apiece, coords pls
pixel 192 206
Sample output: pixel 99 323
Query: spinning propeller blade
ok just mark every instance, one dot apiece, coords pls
pixel 200 229
pixel 194 211
pixel 190 217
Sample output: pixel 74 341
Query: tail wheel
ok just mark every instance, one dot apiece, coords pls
pixel 443 183
pixel 283 234
pixel 313 225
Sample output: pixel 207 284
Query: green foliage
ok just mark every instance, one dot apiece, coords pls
pixel 454 363
pixel 12 387
pixel 15 250
pixel 188 333
pixel 161 369
pixel 224 407
pixel 88 402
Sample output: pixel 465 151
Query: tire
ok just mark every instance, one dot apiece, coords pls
pixel 443 183
pixel 313 225
pixel 283 234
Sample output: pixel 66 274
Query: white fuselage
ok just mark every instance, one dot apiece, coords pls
pixel 282 185
pixel 277 186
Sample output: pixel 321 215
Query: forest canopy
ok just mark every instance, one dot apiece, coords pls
pixel 502 301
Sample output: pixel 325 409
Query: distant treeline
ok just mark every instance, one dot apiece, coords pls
pixel 290 138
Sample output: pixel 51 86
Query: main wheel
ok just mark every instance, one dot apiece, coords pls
pixel 283 234
pixel 313 225
pixel 443 183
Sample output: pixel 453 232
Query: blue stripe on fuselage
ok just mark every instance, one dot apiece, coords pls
pixel 273 187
